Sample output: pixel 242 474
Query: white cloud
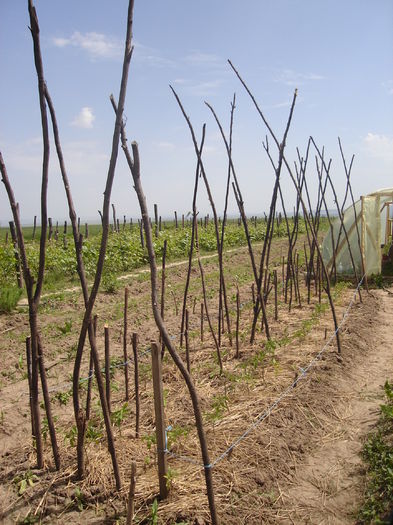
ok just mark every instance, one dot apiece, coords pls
pixel 164 146
pixel 202 58
pixel 150 56
pixel 199 89
pixel 96 45
pixel 293 78
pixel 388 85
pixel 84 119
pixel 379 146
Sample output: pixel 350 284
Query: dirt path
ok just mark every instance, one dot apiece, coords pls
pixel 126 276
pixel 328 484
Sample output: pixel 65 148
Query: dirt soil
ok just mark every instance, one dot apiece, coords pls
pixel 328 484
pixel 299 464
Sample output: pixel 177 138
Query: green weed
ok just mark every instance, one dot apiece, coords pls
pixel 66 327
pixel 9 297
pixel 378 455
pixel 28 479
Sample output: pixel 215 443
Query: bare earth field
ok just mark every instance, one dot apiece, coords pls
pixel 299 464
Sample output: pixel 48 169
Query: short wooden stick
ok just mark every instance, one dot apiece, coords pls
pixel 131 495
pixel 237 321
pixel 136 380
pixel 125 342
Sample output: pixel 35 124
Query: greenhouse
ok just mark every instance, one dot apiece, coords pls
pixel 368 227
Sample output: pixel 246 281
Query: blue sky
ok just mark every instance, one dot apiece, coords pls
pixel 338 54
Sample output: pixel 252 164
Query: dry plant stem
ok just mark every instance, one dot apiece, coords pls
pixel 163 276
pixel 107 367
pixel 135 170
pixel 45 393
pixel 16 255
pixel 89 301
pixel 348 174
pixel 89 385
pixel 28 363
pixel 104 406
pixel 205 299
pixel 114 218
pixel 125 336
pixel 192 242
pixel 136 381
pixel 237 322
pixel 264 262
pixel 202 314
pixel 239 201
pixel 224 220
pixel 240 204
pixel 340 216
pixel 131 495
pixel 187 343
pixel 275 295
pixel 34 296
pixel 29 283
pixel 316 245
pixel 213 207
pixel 159 419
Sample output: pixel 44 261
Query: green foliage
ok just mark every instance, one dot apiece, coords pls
pixel 63 397
pixel 66 327
pixel 72 435
pixel 94 430
pixel 378 280
pixel 117 416
pixel 79 499
pixel 169 477
pixel 124 252
pixel 150 440
pixel 154 513
pixel 378 455
pixel 218 406
pixel 45 426
pixel 110 283
pixel 9 297
pixel 175 432
pixel 28 479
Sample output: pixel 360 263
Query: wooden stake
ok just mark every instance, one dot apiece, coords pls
pixel 16 254
pixel 163 276
pixel 50 229
pixel 51 425
pixel 202 322
pixel 91 373
pixel 156 219
pixel 237 320
pixel 275 295
pixel 125 342
pixel 175 303
pixel 160 419
pixel 136 379
pixel 131 495
pixel 28 361
pixel 107 368
pixel 187 342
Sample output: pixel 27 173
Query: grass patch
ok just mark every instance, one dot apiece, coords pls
pixel 378 455
pixel 9 297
